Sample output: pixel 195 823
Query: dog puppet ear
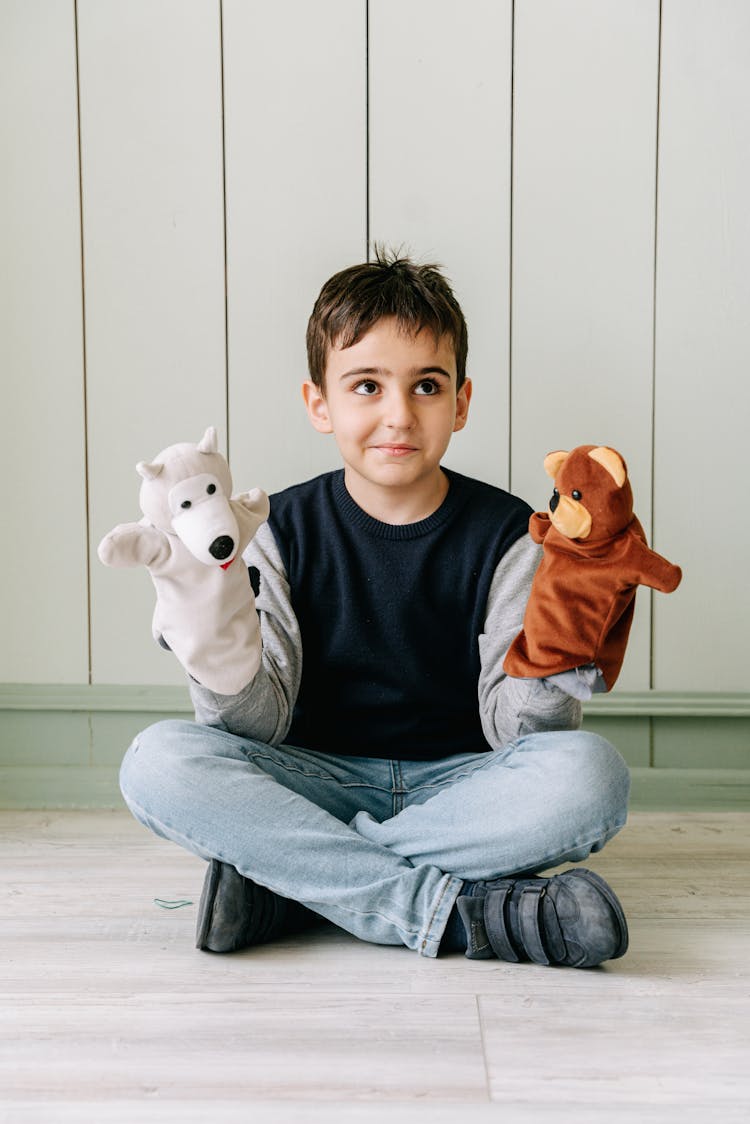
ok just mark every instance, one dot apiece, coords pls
pixel 148 471
pixel 209 442
pixel 553 461
pixel 613 463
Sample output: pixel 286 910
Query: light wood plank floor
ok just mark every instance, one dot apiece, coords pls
pixel 109 1014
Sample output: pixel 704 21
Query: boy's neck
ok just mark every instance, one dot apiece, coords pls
pixel 397 506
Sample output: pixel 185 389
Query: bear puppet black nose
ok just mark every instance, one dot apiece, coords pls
pixel 553 503
pixel 221 548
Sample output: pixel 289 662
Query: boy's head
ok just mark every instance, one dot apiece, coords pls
pixel 415 296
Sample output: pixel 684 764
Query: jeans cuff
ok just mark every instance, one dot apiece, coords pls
pixel 431 936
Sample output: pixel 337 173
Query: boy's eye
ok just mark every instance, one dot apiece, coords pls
pixel 427 387
pixel 366 387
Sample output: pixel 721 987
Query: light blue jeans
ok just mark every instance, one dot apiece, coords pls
pixel 380 848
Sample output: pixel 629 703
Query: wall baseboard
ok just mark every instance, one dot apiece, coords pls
pixel 155 699
pixel 114 698
pixel 61 745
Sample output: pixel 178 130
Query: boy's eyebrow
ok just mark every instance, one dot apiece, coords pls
pixel 419 371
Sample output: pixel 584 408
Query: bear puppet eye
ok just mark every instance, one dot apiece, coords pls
pixel 576 494
pixel 186 504
pixel 211 489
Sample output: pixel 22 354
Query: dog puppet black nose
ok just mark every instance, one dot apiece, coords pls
pixel 221 548
pixel 552 503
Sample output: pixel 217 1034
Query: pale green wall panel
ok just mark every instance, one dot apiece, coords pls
pixel 703 345
pixel 31 738
pixel 585 112
pixel 295 121
pixel 67 786
pixel 690 790
pixel 153 223
pixel 43 604
pixel 439 157
pixel 695 743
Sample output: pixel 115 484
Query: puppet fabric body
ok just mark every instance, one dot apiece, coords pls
pixel 208 618
pixel 191 539
pixel 595 555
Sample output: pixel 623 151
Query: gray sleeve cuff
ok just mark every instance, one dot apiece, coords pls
pixel 510 708
pixel 263 709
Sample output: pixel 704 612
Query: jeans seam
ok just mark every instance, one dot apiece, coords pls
pixel 397 787
pixel 314 775
pixel 607 833
pixel 452 779
pixel 397 924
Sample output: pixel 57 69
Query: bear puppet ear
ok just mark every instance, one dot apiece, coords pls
pixel 553 461
pixel 613 463
pixel 209 442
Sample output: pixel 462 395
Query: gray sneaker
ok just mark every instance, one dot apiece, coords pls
pixel 572 919
pixel 234 912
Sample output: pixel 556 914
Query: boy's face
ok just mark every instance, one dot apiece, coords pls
pixel 390 401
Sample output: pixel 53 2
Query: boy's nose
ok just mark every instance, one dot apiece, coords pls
pixel 399 412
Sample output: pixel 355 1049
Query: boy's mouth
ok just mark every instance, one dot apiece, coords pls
pixel 396 450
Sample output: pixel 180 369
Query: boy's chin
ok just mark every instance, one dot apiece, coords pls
pixel 396 472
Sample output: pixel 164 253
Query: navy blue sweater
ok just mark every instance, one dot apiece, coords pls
pixel 390 616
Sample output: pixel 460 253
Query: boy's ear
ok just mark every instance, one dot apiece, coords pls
pixel 462 405
pixel 317 408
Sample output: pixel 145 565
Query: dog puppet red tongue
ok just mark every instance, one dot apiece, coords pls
pixel 226 565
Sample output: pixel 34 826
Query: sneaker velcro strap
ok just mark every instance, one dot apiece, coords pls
pixel 529 918
pixel 553 935
pixel 494 922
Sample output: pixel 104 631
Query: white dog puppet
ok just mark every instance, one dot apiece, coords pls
pixel 191 540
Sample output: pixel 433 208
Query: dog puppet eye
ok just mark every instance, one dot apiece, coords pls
pixel 576 494
pixel 186 504
pixel 211 489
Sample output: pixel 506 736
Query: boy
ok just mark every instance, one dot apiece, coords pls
pixel 380 770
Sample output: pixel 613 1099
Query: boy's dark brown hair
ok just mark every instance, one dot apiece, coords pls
pixel 418 296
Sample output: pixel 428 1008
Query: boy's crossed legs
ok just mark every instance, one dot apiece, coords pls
pixel 385 848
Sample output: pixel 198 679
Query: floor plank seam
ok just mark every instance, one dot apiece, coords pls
pixel 485 1059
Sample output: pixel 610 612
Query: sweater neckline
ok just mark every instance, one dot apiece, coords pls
pixel 359 518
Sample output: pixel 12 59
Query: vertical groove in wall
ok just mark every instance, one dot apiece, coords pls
pixel 510 240
pixel 224 204
pixel 653 340
pixel 87 498
pixel 367 130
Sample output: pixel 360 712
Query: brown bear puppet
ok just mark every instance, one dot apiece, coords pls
pixel 582 598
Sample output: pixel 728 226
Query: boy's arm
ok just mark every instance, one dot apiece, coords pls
pixel 263 709
pixel 510 707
